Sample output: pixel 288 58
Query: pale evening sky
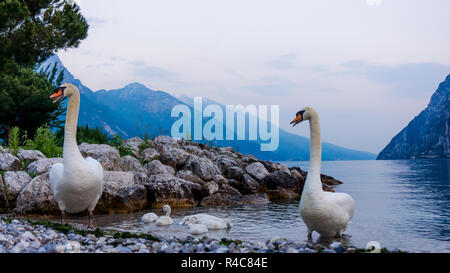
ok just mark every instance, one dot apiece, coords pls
pixel 367 66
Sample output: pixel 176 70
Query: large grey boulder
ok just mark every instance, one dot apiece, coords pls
pixel 228 196
pixel 167 189
pixel 9 162
pixel 133 144
pixel 257 170
pixel 115 182
pixel 248 185
pixel 129 199
pixel 173 156
pixel 43 165
pixel 220 180
pixel 108 156
pixel 149 154
pixel 30 155
pixel 189 176
pixel 165 140
pixel 120 193
pixel 130 164
pixel 235 172
pixel 212 187
pixel 202 167
pixel 192 149
pixel 282 179
pixel 36 197
pixel 156 167
pixel 224 163
pixel 14 182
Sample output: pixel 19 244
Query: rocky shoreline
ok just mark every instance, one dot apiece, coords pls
pixel 26 236
pixel 152 173
pixel 144 175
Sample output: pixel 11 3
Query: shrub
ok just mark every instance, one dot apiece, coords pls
pixel 44 141
pixel 119 143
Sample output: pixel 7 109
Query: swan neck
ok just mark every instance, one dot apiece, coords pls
pixel 70 150
pixel 315 156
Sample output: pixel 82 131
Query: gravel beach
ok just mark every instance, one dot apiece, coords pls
pixel 27 236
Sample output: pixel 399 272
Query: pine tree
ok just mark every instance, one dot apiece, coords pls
pixel 30 32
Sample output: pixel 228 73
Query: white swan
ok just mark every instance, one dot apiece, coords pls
pixel 373 247
pixel 166 219
pixel 211 222
pixel 198 229
pixel 149 217
pixel 327 213
pixel 78 183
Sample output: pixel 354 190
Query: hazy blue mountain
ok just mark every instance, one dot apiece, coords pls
pixel 135 110
pixel 428 134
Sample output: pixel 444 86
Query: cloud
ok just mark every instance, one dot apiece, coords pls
pixel 95 21
pixel 155 73
pixel 411 79
pixel 107 64
pixel 273 86
pixel 286 61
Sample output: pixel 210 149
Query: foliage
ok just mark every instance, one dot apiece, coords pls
pixel 85 134
pixel 30 31
pixel 144 145
pixel 24 100
pixel 14 140
pixel 119 143
pixel 44 141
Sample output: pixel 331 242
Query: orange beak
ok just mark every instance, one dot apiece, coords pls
pixel 297 120
pixel 57 95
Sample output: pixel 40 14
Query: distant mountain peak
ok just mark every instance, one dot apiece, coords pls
pixel 135 85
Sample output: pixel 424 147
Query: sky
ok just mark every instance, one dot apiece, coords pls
pixel 367 66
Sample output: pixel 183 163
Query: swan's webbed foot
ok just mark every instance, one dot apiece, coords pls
pixel 62 217
pixel 310 235
pixel 91 222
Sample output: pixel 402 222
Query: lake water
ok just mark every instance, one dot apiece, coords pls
pixel 401 204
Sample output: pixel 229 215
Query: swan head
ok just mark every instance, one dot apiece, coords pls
pixel 303 114
pixel 166 209
pixel 64 91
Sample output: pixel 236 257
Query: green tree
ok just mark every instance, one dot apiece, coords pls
pixel 24 102
pixel 32 30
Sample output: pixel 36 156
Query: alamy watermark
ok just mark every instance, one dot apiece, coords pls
pixel 230 125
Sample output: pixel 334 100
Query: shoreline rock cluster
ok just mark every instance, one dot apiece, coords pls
pixel 155 172
pixel 21 236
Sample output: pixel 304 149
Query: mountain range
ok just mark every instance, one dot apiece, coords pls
pixel 135 110
pixel 428 134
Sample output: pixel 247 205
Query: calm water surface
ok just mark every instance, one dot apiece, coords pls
pixel 401 204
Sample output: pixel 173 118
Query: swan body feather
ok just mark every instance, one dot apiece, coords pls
pixel 149 217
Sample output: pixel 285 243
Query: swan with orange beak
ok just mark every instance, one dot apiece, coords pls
pixel 77 184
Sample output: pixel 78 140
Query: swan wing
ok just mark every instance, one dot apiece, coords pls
pixel 55 175
pixel 96 166
pixel 343 200
pixel 98 169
